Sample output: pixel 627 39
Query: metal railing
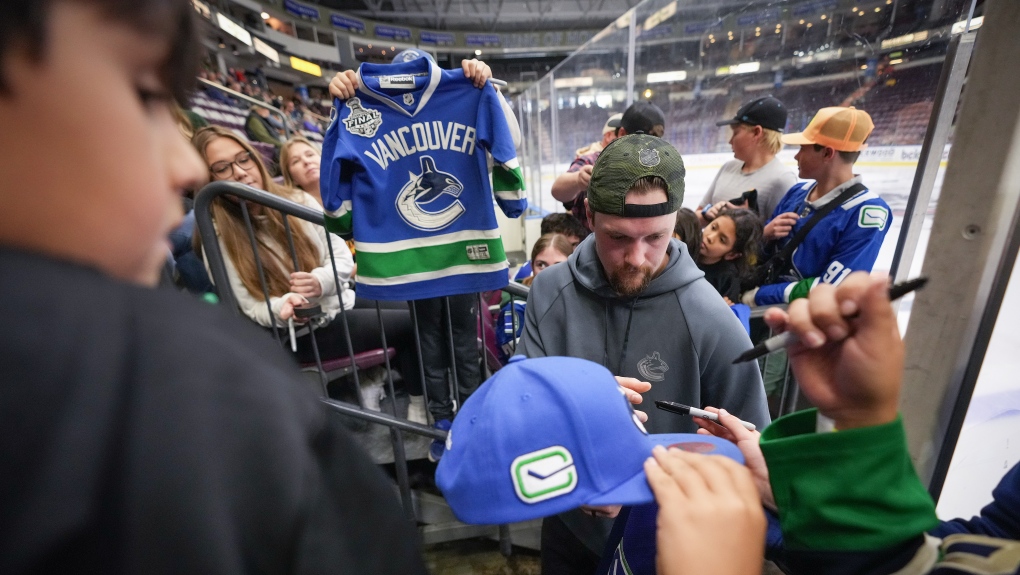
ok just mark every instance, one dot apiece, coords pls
pixel 439 524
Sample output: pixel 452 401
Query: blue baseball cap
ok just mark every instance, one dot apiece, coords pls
pixel 546 435
pixel 411 54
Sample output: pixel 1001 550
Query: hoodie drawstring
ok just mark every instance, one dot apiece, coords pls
pixel 626 338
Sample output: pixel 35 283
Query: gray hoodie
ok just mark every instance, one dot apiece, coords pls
pixel 678 334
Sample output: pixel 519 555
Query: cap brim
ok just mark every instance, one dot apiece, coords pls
pixel 729 122
pixel 795 139
pixel 636 490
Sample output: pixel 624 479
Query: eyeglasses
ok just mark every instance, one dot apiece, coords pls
pixel 223 170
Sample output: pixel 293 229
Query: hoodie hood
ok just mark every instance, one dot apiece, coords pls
pixel 587 270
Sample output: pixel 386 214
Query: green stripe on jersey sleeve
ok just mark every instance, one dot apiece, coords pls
pixel 338 225
pixel 506 179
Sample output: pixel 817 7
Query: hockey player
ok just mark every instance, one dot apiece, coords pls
pixel 631 298
pixel 848 237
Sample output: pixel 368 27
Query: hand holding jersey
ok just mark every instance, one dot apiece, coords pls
pixel 344 85
pixel 408 176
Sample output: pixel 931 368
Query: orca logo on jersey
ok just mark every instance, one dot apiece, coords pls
pixel 362 121
pixel 431 188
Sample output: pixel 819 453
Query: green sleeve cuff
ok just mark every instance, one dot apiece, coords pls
pixel 853 490
pixel 338 225
pixel 801 289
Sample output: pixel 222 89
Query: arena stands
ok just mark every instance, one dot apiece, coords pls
pixel 901 104
pixel 220 113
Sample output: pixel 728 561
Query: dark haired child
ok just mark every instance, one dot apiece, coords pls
pixel 688 230
pixel 146 431
pixel 729 247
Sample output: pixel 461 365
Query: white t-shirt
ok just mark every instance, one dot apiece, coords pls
pixel 771 180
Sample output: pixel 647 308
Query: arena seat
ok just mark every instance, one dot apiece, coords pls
pixel 341 366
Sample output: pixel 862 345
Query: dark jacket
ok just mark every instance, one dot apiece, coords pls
pixel 146 431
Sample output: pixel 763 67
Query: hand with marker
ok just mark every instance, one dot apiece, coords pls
pixel 730 428
pixel 634 388
pixel 849 357
pixel 710 518
pixel 477 71
pixel 287 307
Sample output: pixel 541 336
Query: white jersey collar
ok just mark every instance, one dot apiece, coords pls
pixel 414 66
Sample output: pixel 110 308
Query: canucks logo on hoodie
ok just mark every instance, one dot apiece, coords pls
pixel 652 368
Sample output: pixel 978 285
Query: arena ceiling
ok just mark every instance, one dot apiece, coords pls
pixel 517 15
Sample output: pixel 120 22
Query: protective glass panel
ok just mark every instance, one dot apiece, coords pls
pixel 700 60
pixel 989 443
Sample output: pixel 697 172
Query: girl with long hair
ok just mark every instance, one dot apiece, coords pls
pixel 299 165
pixel 729 248
pixel 230 157
pixel 550 249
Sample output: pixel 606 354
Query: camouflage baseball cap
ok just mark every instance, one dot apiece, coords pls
pixel 625 161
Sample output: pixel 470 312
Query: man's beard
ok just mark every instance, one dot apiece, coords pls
pixel 629 281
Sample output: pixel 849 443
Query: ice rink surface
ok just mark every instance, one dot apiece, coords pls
pixel 989 443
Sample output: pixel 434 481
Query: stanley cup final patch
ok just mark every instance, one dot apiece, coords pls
pixel 648 158
pixel 362 121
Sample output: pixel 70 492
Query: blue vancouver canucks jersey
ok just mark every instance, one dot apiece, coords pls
pixel 847 239
pixel 404 168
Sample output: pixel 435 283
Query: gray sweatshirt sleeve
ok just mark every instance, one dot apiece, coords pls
pixel 530 344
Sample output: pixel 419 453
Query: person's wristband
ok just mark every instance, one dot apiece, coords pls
pixel 704 212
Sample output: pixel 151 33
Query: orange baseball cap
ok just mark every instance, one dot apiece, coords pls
pixel 843 129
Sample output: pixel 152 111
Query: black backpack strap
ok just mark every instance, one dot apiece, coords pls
pixel 787 252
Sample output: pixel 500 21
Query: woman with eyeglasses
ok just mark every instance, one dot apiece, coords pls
pixel 230 158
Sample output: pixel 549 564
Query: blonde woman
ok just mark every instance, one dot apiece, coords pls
pixel 299 165
pixel 756 129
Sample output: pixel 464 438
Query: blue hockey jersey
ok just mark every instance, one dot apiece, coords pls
pixel 404 168
pixel 847 239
